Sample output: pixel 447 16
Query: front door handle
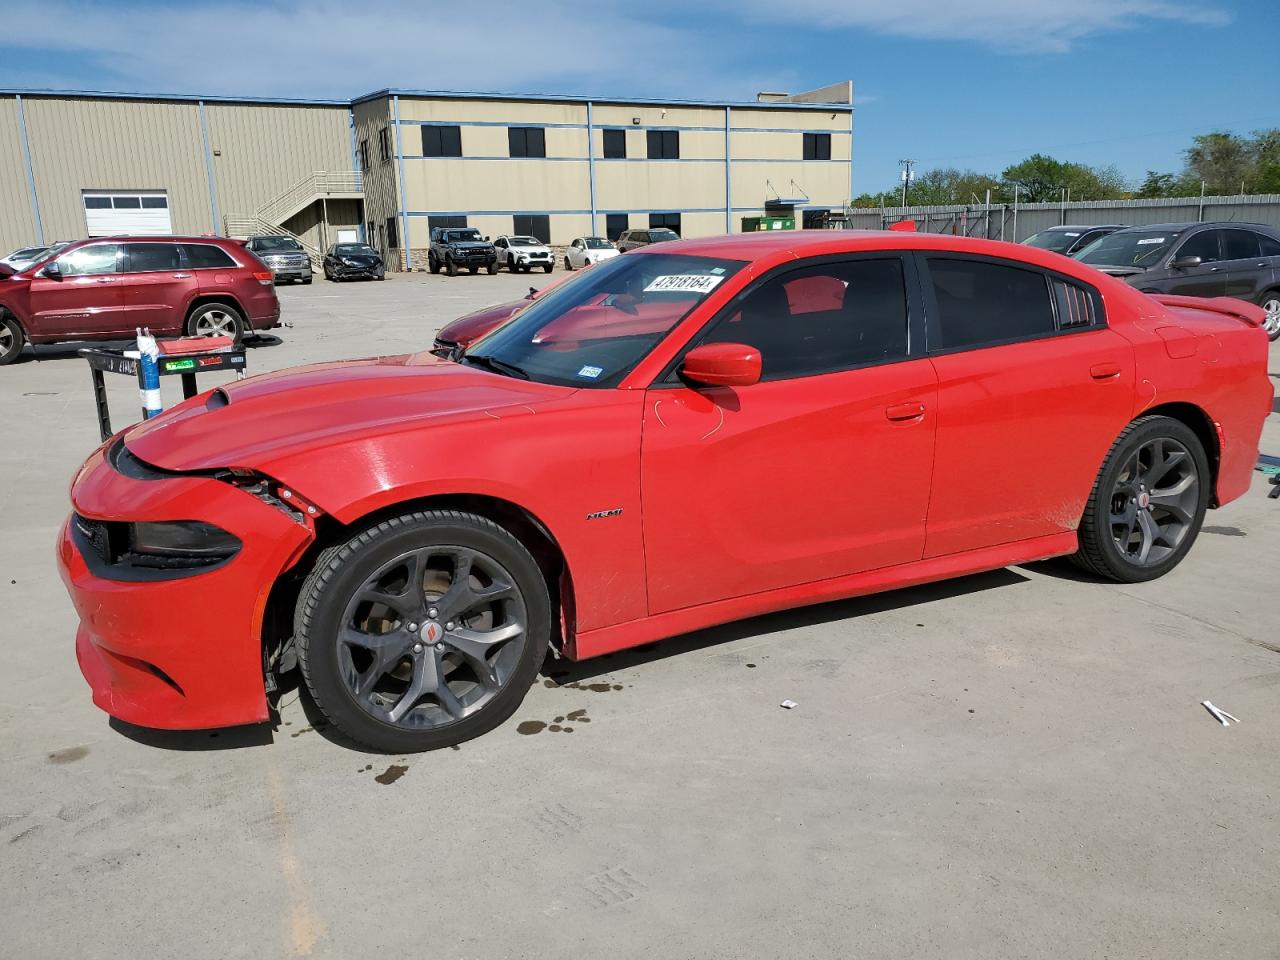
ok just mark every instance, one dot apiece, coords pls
pixel 1104 371
pixel 106 279
pixel 182 276
pixel 905 411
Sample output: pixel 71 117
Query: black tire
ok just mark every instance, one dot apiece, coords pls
pixel 546 268
pixel 567 264
pixel 331 592
pixel 12 339
pixel 306 281
pixel 433 264
pixel 492 268
pixel 1270 301
pixel 511 265
pixel 450 267
pixel 216 319
pixel 1100 551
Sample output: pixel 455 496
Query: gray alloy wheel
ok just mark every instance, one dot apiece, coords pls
pixel 1147 505
pixel 1271 304
pixel 216 320
pixel 11 339
pixel 422 631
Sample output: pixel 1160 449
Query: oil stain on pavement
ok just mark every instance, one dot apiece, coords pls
pixel 561 724
pixel 393 773
pixel 69 755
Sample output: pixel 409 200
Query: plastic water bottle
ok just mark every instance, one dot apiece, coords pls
pixel 149 385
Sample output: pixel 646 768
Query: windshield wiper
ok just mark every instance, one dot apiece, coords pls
pixel 496 365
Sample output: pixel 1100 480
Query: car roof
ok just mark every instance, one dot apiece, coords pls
pixel 1083 226
pixel 1187 225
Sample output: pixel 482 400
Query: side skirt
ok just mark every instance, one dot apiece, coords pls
pixel 620 636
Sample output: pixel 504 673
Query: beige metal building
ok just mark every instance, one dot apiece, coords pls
pixel 388 166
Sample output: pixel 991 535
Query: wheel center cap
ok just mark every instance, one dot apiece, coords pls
pixel 1144 500
pixel 432 632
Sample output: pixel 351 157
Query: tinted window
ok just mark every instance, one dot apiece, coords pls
pixel 526 141
pixel 89 261
pixel 155 203
pixel 615 144
pixel 1075 306
pixel 384 144
pixel 1203 245
pixel 1129 248
pixel 822 318
pixel 534 225
pixel 615 224
pixel 151 257
pixel 1239 245
pixel 127 203
pixel 97 203
pixel 393 239
pixel 205 256
pixel 670 221
pixel 441 141
pixel 1269 246
pixel 817 146
pixel 1058 241
pixel 981 303
pixel 663 144
pixel 434 222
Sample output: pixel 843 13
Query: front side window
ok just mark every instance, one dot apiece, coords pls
pixel 204 256
pixel 94 260
pixel 1203 245
pixel 1141 249
pixel 820 319
pixel 591 331
pixel 981 303
pixel 151 257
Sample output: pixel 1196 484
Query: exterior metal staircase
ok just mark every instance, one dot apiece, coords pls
pixel 269 219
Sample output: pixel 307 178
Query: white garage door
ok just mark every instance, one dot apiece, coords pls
pixel 115 212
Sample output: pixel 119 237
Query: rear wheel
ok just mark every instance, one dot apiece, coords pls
pixel 216 320
pixel 11 339
pixel 1147 505
pixel 422 631
pixel 1270 302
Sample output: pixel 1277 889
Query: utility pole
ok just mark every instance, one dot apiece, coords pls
pixel 906 177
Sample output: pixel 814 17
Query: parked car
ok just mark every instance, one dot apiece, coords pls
pixel 461 333
pixel 522 254
pixel 1068 239
pixel 456 248
pixel 284 255
pixel 631 457
pixel 24 257
pixel 633 239
pixel 353 261
pixel 1197 259
pixel 103 289
pixel 584 251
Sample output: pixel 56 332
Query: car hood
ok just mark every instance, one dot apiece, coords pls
pixel 254 422
pixel 7 271
pixel 363 259
pixel 470 244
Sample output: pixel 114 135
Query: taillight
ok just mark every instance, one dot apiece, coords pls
pixel 264 277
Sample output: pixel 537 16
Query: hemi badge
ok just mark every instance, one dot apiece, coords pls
pixel 601 514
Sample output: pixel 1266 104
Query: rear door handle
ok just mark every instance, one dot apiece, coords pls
pixel 905 411
pixel 1104 371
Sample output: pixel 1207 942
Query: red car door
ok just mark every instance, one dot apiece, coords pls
pixel 156 285
pixel 1032 390
pixel 85 299
pixel 821 469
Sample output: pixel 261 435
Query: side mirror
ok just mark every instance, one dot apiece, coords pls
pixel 51 270
pixel 1185 263
pixel 486 239
pixel 722 365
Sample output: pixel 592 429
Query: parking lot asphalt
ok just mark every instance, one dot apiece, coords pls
pixel 1010 765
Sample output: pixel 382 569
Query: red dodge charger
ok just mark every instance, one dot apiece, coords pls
pixel 695 432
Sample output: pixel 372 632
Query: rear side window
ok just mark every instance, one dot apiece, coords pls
pixel 205 256
pixel 984 303
pixel 151 257
pixel 1075 306
pixel 1270 247
pixel 1239 245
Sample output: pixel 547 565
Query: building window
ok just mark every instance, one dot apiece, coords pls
pixel 450 222
pixel 442 141
pixel 669 220
pixel 393 240
pixel 527 141
pixel 664 144
pixel 615 224
pixel 817 146
pixel 370 232
pixel 384 144
pixel 364 154
pixel 615 144
pixel 533 225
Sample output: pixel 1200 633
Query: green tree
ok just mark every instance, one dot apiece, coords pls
pixel 947 185
pixel 1225 162
pixel 1042 179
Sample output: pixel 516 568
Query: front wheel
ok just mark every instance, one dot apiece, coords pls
pixel 306 281
pixel 433 264
pixel 216 320
pixel 492 268
pixel 1270 302
pixel 450 267
pixel 546 268
pixel 11 339
pixel 422 631
pixel 1147 505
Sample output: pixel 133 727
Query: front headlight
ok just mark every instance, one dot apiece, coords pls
pixel 184 543
pixel 348 263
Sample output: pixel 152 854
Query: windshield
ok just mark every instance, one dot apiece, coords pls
pixel 597 243
pixel 656 236
pixel 591 331
pixel 358 249
pixel 1059 241
pixel 524 241
pixel 27 253
pixel 276 243
pixel 1128 248
pixel 461 236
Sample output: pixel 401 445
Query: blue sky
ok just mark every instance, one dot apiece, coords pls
pixel 969 83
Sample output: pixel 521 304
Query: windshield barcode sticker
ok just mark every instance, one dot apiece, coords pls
pixel 591 373
pixel 683 283
pixel 1150 240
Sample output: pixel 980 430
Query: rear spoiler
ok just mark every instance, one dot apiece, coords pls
pixel 1226 306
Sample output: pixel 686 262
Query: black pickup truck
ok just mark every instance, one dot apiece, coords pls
pixel 456 247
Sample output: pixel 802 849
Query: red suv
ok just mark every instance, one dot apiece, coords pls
pixel 103 289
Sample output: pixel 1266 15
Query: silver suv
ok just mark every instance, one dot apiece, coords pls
pixel 284 255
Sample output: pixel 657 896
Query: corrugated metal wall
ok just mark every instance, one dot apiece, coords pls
pixel 381 180
pixel 17 222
